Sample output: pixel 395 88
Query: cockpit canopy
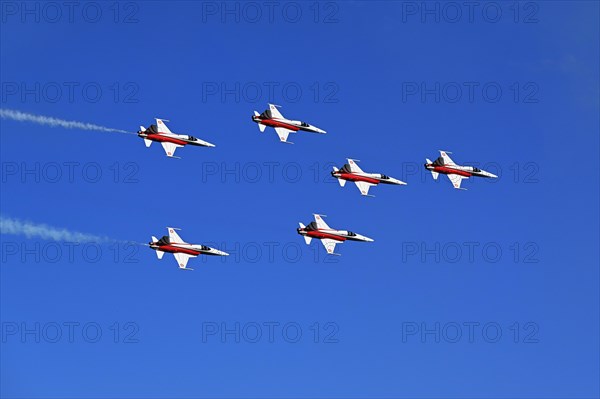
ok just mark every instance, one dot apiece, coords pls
pixel 205 248
pixel 192 138
pixel 351 234
pixel 304 124
pixel 476 169
pixel 384 177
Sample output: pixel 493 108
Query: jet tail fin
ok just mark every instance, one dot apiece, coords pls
pixel 433 173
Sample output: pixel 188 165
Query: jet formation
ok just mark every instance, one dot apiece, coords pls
pixel 317 229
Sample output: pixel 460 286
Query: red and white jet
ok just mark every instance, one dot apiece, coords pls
pixel 169 140
pixel 273 118
pixel 456 173
pixel 181 249
pixel 364 181
pixel 328 236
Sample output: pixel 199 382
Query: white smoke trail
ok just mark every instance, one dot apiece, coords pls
pixel 18 227
pixel 53 122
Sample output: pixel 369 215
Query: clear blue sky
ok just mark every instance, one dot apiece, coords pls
pixel 357 74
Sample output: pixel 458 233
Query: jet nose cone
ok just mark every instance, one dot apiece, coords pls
pixel 222 253
pixel 365 238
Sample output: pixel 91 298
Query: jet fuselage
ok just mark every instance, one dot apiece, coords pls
pixel 286 124
pixel 338 235
pixel 185 248
pixel 373 178
pixel 179 139
pixel 465 171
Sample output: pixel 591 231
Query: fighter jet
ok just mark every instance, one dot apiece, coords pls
pixel 272 117
pixel 169 140
pixel 456 173
pixel 328 236
pixel 364 181
pixel 180 249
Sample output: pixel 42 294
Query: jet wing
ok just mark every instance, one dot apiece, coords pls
pixel 446 158
pixel 456 180
pixel 275 112
pixel 170 148
pixel 321 223
pixel 330 244
pixel 182 259
pixel 162 128
pixel 283 133
pixel 363 187
pixel 174 237
pixel 354 167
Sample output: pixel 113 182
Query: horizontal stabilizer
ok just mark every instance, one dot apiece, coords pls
pixel 148 142
pixel 159 254
pixel 341 181
pixel 306 238
pixel 434 174
pixel 261 127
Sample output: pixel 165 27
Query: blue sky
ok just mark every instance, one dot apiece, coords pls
pixel 351 68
